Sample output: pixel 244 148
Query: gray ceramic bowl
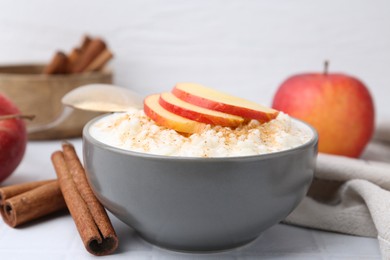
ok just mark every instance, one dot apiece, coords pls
pixel 199 203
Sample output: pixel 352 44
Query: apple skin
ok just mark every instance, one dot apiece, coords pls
pixel 179 107
pixel 163 117
pixel 338 106
pixel 209 98
pixel 13 138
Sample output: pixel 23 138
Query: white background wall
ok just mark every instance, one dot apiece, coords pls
pixel 240 46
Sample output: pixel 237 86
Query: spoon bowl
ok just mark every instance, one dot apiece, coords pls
pixel 103 98
pixel 94 97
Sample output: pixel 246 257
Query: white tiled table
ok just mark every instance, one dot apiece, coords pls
pixel 56 237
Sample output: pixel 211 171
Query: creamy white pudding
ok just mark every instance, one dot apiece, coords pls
pixel 135 131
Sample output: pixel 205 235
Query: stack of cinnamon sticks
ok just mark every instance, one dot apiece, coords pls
pixel 25 202
pixel 92 55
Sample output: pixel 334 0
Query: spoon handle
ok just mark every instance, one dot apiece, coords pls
pixel 66 112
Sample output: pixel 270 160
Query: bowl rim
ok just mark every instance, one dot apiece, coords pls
pixel 40 76
pixel 87 136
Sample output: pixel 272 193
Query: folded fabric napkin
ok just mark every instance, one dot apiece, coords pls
pixel 351 196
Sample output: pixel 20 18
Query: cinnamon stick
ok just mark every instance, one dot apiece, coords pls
pixel 85 42
pixel 32 204
pixel 13 190
pixel 73 56
pixel 99 62
pixel 93 49
pixel 89 215
pixel 58 64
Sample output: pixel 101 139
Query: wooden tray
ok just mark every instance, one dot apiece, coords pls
pixel 40 95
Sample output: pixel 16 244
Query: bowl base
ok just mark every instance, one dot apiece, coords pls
pixel 198 249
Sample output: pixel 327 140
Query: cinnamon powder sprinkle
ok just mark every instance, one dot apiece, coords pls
pixel 136 132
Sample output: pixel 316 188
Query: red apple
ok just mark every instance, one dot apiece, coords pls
pixel 339 106
pixel 177 106
pixel 13 137
pixel 163 117
pixel 205 97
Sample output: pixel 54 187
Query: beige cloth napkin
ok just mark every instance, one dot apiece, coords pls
pixel 351 196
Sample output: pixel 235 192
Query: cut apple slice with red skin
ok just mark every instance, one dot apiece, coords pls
pixel 179 107
pixel 163 117
pixel 205 97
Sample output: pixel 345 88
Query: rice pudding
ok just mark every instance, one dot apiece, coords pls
pixel 135 131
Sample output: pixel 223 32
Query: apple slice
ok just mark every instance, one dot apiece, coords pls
pixel 177 106
pixel 199 95
pixel 163 117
